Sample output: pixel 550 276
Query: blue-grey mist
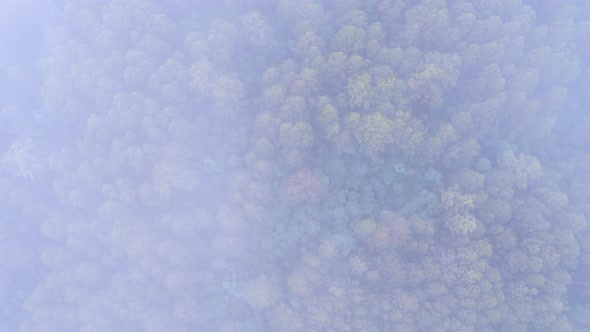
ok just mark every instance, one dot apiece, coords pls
pixel 294 165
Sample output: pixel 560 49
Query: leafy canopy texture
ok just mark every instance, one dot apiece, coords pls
pixel 295 165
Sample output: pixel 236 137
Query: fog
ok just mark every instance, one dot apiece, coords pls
pixel 294 165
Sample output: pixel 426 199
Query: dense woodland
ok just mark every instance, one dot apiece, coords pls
pixel 295 165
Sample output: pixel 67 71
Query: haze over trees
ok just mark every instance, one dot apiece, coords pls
pixel 295 165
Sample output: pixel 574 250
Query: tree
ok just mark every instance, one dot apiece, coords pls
pixel 309 46
pixel 374 133
pixel 22 160
pixel 350 40
pixel 433 148
pixel 360 92
pixel 225 92
pixel 304 186
pixel 425 24
pixel 256 30
pixel 262 292
pixel 298 135
pixel 524 169
pixel 328 119
pixel 335 70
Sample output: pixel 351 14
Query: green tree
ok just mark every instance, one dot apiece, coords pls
pixel 360 92
pixel 298 135
pixel 374 133
pixel 350 40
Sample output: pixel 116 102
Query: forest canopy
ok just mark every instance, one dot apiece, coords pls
pixel 295 165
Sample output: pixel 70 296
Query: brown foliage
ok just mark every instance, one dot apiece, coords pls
pixel 303 186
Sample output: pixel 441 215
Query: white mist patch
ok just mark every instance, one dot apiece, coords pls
pixel 21 160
